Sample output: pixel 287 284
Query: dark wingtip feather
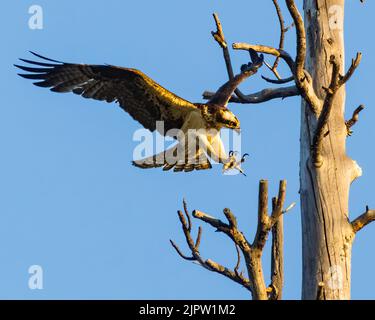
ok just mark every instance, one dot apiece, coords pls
pixel 78 90
pixel 43 84
pixel 36 76
pixel 42 57
pixel 43 64
pixel 35 70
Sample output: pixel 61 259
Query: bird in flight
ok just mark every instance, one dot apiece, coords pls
pixel 196 126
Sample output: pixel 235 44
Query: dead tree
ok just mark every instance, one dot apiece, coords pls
pixel 326 172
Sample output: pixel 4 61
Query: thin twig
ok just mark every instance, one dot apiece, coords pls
pixel 337 81
pixel 274 71
pixel 180 252
pixel 239 96
pixel 237 266
pixel 187 214
pixel 261 96
pixel 220 39
pixel 252 253
pixel 194 247
pixel 199 237
pixel 282 32
pixel 278 81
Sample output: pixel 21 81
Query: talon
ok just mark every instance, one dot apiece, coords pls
pixel 243 157
pixel 349 132
pixel 232 162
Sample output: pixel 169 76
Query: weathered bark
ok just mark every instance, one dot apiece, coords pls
pixel 326 232
pixel 252 252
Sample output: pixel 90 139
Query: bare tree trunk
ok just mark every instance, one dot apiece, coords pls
pixel 326 231
pixel 326 172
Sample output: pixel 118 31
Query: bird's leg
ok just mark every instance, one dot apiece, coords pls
pixel 233 163
pixel 218 154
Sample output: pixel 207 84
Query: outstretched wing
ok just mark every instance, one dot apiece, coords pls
pixel 144 99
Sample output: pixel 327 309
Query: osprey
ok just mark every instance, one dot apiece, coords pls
pixel 148 102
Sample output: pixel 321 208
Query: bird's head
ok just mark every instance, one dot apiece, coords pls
pixel 227 119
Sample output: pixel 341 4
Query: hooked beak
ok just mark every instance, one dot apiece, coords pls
pixel 238 130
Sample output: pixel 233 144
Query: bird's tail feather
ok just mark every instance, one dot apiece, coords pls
pixel 168 159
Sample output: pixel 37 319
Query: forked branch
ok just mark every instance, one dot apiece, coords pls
pixel 239 96
pixel 265 221
pixel 301 77
pixel 337 81
pixel 220 39
pixel 194 248
pixel 354 65
pixel 252 253
pixel 353 120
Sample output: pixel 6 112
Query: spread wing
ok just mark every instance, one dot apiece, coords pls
pixel 144 99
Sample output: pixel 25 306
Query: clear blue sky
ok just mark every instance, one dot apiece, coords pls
pixel 72 203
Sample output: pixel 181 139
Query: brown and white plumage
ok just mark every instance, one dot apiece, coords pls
pixel 147 102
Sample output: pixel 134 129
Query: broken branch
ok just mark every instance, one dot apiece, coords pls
pixel 337 81
pixel 220 39
pixel 207 264
pixel 354 65
pixel 353 120
pixel 363 220
pixel 266 222
pixel 324 116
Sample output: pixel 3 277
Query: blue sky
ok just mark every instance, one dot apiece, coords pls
pixel 99 227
